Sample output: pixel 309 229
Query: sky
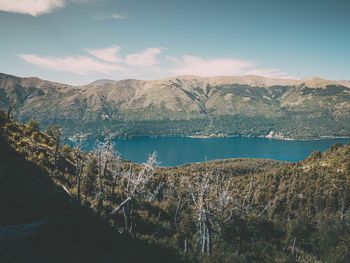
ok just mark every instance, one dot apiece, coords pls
pixel 79 41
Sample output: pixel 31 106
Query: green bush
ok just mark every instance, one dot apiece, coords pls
pixel 32 126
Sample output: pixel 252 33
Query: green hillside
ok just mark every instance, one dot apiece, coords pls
pixel 95 207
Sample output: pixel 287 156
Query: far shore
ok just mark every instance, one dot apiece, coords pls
pixel 87 136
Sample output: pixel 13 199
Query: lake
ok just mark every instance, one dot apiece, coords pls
pixel 174 151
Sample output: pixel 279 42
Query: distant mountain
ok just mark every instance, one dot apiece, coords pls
pixel 187 105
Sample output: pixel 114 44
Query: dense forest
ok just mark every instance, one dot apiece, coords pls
pixel 61 204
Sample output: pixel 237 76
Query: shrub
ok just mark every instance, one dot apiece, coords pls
pixel 316 155
pixel 2 118
pixel 32 126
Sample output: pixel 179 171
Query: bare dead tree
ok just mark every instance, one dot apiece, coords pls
pixel 177 211
pixel 222 202
pixel 213 206
pixel 172 189
pixel 105 154
pixel 135 187
pixel 55 132
pixel 200 195
pixel 116 168
pixel 79 163
pixel 12 103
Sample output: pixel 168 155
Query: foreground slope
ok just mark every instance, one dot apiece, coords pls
pixel 187 105
pixel 41 222
pixel 258 210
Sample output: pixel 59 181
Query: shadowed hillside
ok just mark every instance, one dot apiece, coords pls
pixel 41 222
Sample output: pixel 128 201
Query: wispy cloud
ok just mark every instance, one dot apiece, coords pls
pixel 75 64
pixel 145 58
pixel 149 62
pixel 109 16
pixel 109 54
pixel 104 61
pixel 269 73
pixel 192 65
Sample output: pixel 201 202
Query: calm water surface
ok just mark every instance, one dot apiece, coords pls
pixel 174 151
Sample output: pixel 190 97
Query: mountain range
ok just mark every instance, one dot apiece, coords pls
pixel 186 106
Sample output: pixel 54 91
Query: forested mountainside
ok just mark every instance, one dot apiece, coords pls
pixel 96 207
pixel 188 105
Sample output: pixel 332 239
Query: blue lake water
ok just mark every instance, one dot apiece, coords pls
pixel 174 151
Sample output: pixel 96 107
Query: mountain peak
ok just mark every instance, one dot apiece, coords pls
pixel 317 82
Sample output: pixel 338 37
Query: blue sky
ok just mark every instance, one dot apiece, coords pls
pixel 78 41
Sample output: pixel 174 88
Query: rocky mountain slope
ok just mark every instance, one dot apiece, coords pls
pixel 187 105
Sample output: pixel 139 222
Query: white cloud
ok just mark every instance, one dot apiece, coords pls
pixel 75 64
pixel 109 16
pixel 34 7
pixel 145 58
pixel 109 54
pixel 31 7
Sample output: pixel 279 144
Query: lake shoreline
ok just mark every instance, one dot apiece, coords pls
pixel 267 137
pixel 212 136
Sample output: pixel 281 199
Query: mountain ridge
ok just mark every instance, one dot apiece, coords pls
pixel 186 105
pixel 236 79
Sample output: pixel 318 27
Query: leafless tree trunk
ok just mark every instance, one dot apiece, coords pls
pixel 79 178
pixel 116 172
pixel 176 212
pixel 200 193
pixel 208 239
pixel 135 186
pixel 102 166
pixel 213 206
pixel 11 106
pixel 79 165
pixel 57 136
pixel 106 154
pixel 293 248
